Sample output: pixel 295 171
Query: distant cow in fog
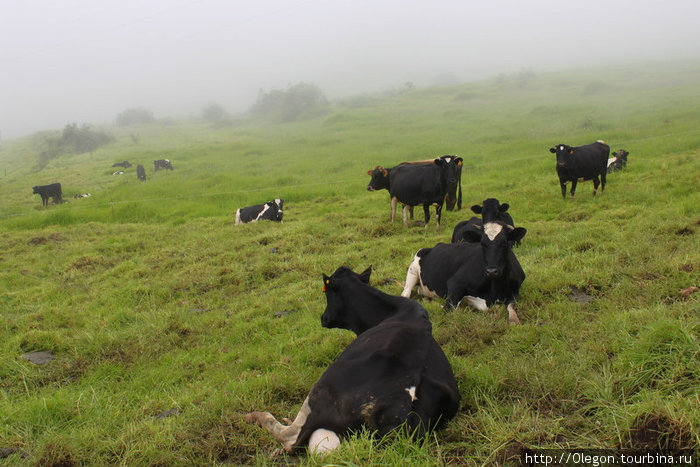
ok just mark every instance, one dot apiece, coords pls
pixel 162 164
pixel 125 164
pixel 589 162
pixel 82 195
pixel 141 173
pixel 49 191
pixel 270 211
pixel 618 162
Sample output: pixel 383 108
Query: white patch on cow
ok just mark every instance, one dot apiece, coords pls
pixel 287 435
pixel 238 217
pixel 394 202
pixel 601 141
pixel 265 208
pixel 476 302
pixel 492 229
pixel 512 314
pixel 323 441
pixel 611 160
pixel 412 392
pixel 405 214
pixel 412 277
pixel 167 160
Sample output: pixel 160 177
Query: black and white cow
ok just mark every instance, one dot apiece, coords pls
pixel 491 210
pixel 483 270
pixel 270 211
pixel 589 162
pixel 393 375
pixel 162 164
pixel 125 164
pixel 82 195
pixel 141 173
pixel 52 190
pixel 424 184
pixel 618 162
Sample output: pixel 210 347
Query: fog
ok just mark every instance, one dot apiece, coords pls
pixel 86 61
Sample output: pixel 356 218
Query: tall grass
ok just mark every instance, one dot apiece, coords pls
pixel 168 323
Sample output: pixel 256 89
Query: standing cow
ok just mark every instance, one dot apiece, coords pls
pixel 589 162
pixel 140 173
pixel 162 164
pixel 483 270
pixel 270 211
pixel 424 184
pixel 393 375
pixel 52 190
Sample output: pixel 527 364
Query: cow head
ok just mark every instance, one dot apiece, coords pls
pixel 335 286
pixel 490 209
pixel 380 179
pixel 563 152
pixel 621 154
pixel 450 175
pixel 276 206
pixel 495 238
pixel 35 190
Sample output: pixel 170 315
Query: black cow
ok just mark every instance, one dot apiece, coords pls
pixel 618 162
pixel 491 210
pixel 393 375
pixel 587 162
pixel 270 211
pixel 162 164
pixel 141 173
pixel 125 164
pixel 484 270
pixel 52 190
pixel 424 184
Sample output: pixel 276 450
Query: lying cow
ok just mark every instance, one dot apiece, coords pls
pixel 162 164
pixel 52 190
pixel 82 195
pixel 618 162
pixel 491 210
pixel 424 184
pixel 140 173
pixel 483 270
pixel 589 162
pixel 393 375
pixel 270 211
pixel 125 164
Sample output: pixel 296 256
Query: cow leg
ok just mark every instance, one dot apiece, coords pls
pixel 438 215
pixel 410 210
pixel 405 215
pixel 573 187
pixel 394 201
pixel 603 177
pixel 512 314
pixel 287 435
pixel 44 200
pixel 563 190
pixel 412 277
pixel 426 212
pixel 596 183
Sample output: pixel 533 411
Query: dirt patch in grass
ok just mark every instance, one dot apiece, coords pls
pixel 659 432
pixel 579 295
pixel 56 455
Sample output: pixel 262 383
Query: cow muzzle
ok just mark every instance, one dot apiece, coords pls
pixel 493 273
pixel 369 188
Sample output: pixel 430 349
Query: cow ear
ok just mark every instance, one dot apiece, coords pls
pixel 459 161
pixel 438 161
pixel 614 154
pixel 571 150
pixel 503 207
pixel 369 172
pixel 385 172
pixel 364 275
pixel 516 234
pixel 326 282
pixel 476 209
pixel 552 150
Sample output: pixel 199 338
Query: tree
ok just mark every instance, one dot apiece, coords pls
pixel 213 113
pixel 294 103
pixel 135 116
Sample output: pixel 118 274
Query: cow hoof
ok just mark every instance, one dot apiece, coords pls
pixel 514 321
pixel 254 417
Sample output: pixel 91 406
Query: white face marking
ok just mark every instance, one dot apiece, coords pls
pixel 492 230
pixel 561 148
pixel 412 392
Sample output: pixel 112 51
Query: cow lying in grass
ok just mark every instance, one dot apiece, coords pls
pixel 393 375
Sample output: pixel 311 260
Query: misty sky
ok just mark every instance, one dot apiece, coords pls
pixel 85 61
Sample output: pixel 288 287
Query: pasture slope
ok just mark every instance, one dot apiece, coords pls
pixel 167 323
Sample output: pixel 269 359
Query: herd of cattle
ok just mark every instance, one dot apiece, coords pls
pixel 394 374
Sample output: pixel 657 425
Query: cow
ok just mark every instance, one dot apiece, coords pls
pixel 491 210
pixel 394 375
pixel 618 162
pixel 162 164
pixel 141 173
pixel 423 184
pixel 589 162
pixel 82 195
pixel 124 164
pixel 483 270
pixel 118 172
pixel 52 190
pixel 270 211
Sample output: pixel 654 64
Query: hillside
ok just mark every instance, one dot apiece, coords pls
pixel 166 323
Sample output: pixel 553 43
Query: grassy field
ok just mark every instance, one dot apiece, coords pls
pixel 167 323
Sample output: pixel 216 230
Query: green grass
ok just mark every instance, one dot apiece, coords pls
pixel 153 301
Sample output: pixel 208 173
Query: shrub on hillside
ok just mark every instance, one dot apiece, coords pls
pixel 135 117
pixel 295 103
pixel 73 140
pixel 213 113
